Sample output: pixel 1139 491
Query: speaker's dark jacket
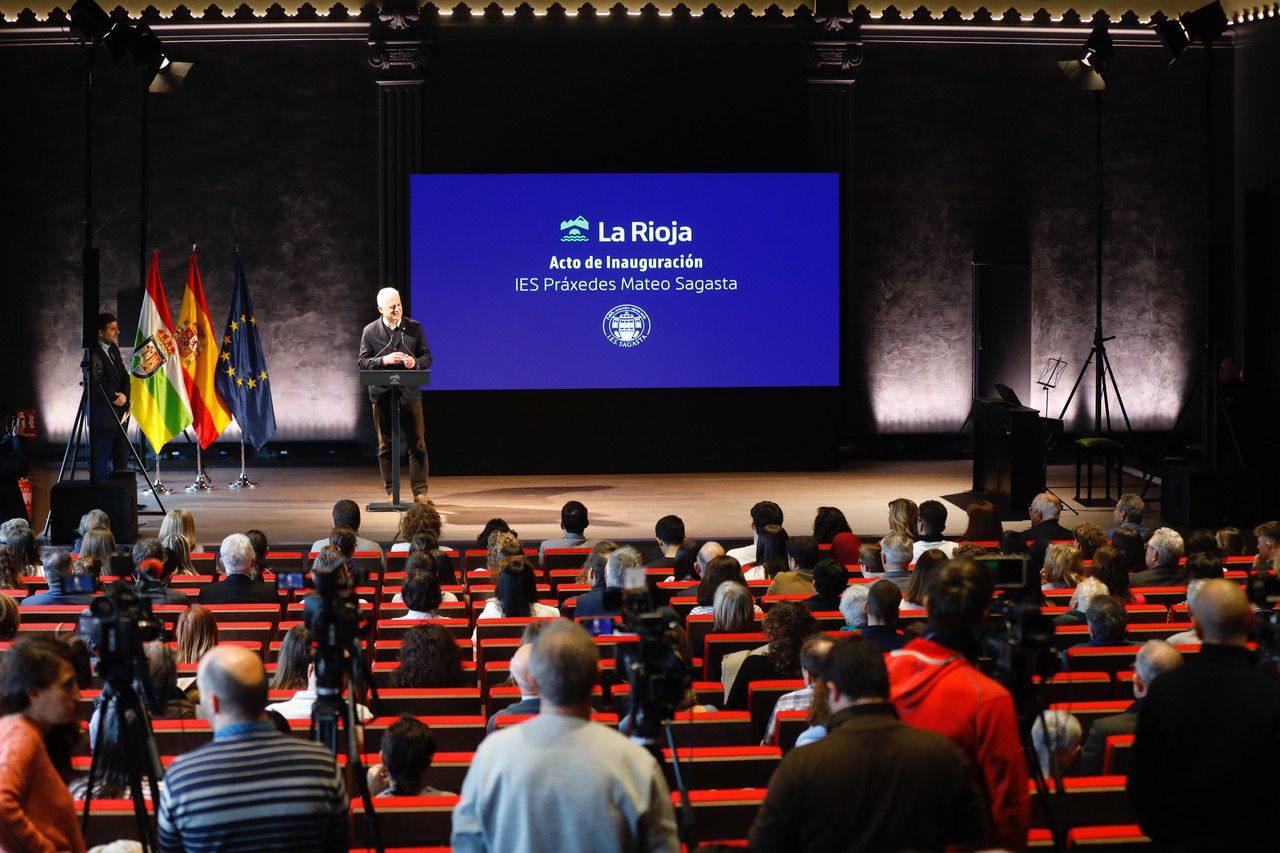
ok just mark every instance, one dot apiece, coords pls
pixel 113 378
pixel 377 340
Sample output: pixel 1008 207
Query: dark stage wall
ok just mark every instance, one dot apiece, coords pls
pixel 274 146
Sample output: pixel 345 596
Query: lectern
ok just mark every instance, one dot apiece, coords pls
pixel 1008 454
pixel 394 381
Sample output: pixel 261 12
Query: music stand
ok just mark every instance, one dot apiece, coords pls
pixel 394 381
pixel 1049 378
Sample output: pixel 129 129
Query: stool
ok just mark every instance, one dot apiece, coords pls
pixel 1110 453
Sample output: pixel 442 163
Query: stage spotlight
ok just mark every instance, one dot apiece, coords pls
pixel 1204 24
pixel 163 75
pixel 90 24
pixel 1089 70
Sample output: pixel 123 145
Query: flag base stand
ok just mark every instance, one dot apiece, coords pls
pixel 157 485
pixel 201 483
pixel 243 481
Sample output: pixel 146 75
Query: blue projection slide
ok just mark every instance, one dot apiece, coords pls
pixel 627 281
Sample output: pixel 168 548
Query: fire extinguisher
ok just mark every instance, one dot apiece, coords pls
pixel 24 486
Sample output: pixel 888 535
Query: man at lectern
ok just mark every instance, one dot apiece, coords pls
pixel 394 342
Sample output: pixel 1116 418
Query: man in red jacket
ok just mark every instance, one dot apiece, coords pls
pixel 934 685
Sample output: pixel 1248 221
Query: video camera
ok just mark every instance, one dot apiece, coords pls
pixel 1019 638
pixel 332 615
pixel 116 626
pixel 657 667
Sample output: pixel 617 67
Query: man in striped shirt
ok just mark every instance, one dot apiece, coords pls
pixel 252 788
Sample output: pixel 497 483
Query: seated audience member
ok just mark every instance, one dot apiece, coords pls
pixel 344 540
pixel 786 627
pixel 936 686
pixel 1044 511
pixel 10 618
pixel 166 700
pixel 763 514
pixel 594 565
pixel 10 568
pixel 720 570
pixel 522 771
pixel 1202 774
pixel 802 556
pixel 38 733
pixel 822 797
pixel 516 593
pixel 57 568
pixel 1107 622
pixel 984 523
pixel 178 556
pixel 970 551
pixel 261 548
pixel 429 658
pixel 23 543
pixel 829 580
pixel 927 565
pixel 239 586
pixel 293 660
pixel 573 529
pixel 1154 659
pixel 94 519
pixel 492 526
pixel 298 707
pixel 771 553
pixel 853 606
pixel 196 633
pixel 847 549
pixel 933 521
pixel 1230 542
pixel 1164 550
pixel 684 565
pixel 1083 597
pixel 895 555
pixel 870 560
pixel 423 596
pixel 1199 542
pixel 1062 567
pixel 213 796
pixel 1132 548
pixel 501 546
pixel 1013 542
pixel 99 544
pixel 1109 568
pixel 180 522
pixel 1089 538
pixel 708 552
pixel 605 597
pixel 1190 637
pixel 904 518
pixel 1204 566
pixel 734 609
pixel 407 750
pixel 426 561
pixel 669 532
pixel 813 657
pixel 884 601
pixel 423 518
pixel 523 677
pixel 1056 738
pixel 150 577
pixel 346 513
pixel 1128 516
pixel 828 523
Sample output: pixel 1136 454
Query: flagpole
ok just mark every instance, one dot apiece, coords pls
pixel 243 481
pixel 202 483
pixel 157 485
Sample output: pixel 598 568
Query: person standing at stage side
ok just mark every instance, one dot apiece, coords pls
pixel 105 412
pixel 394 342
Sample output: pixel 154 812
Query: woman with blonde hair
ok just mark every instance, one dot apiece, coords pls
pixel 1062 567
pixel 100 544
pixel 197 632
pixel 904 518
pixel 180 555
pixel 10 617
pixel 180 522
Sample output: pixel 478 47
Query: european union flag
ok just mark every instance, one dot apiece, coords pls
pixel 242 368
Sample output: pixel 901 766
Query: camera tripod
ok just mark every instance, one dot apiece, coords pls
pixel 331 712
pixel 137 745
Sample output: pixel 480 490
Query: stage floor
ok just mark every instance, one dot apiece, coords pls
pixel 292 505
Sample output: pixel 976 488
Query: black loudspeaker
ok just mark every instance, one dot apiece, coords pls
pixel 1002 328
pixel 128 310
pixel 1196 496
pixel 116 496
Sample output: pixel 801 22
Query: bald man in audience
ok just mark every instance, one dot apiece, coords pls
pixel 523 676
pixel 1154 659
pixel 1203 775
pixel 707 553
pixel 252 788
pixel 561 781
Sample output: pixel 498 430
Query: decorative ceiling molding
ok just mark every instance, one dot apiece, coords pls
pixel 305 21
